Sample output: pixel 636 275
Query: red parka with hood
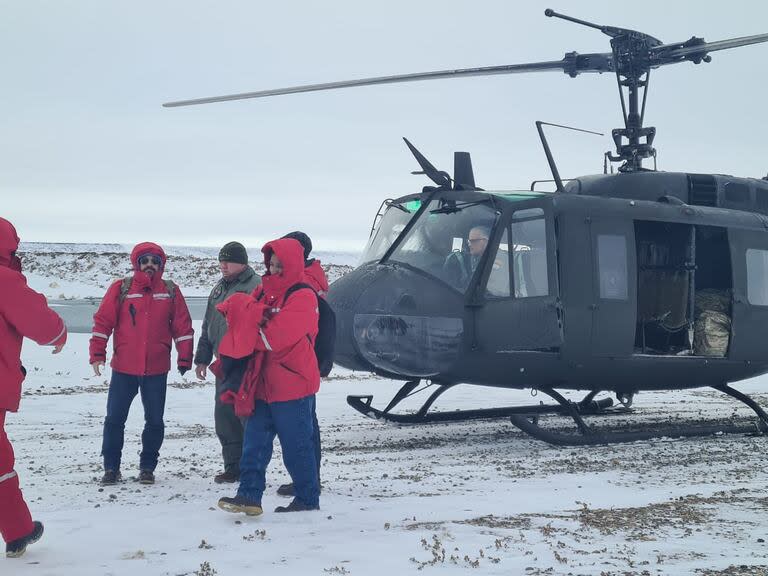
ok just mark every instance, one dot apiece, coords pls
pixel 314 275
pixel 23 313
pixel 288 369
pixel 145 322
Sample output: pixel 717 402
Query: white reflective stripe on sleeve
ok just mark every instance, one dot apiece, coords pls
pixel 100 335
pixel 8 476
pixel 264 339
pixel 161 296
pixel 63 329
pixel 134 296
pixel 182 338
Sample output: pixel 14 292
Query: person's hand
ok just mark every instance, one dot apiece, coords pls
pixel 57 348
pixel 201 371
pixel 183 370
pixel 97 366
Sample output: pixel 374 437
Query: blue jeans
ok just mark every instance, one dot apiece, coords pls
pixel 122 390
pixel 292 423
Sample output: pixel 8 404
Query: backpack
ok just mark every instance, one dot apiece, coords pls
pixel 325 342
pixel 125 286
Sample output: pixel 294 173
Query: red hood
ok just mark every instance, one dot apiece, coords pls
pixel 139 250
pixel 291 255
pixel 9 242
pixel 316 276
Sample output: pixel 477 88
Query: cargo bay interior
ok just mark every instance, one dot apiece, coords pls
pixel 684 289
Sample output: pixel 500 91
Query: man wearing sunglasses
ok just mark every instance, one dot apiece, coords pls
pixel 146 313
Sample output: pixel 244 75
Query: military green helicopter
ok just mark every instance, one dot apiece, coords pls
pixel 617 282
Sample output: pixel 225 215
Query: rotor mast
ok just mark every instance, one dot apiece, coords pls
pixel 632 64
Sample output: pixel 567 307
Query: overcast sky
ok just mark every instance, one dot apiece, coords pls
pixel 87 153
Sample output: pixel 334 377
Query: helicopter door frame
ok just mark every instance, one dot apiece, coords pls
pixel 513 323
pixel 749 311
pixel 614 285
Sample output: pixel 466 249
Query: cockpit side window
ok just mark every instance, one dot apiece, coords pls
pixel 448 240
pixel 529 253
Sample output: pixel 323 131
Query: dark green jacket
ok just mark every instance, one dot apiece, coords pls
pixel 214 324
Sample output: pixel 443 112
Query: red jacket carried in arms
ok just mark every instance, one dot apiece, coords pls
pixel 23 313
pixel 144 323
pixel 314 275
pixel 287 337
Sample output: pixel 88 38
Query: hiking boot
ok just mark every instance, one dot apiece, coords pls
pixel 241 504
pixel 16 548
pixel 226 477
pixel 146 477
pixel 111 477
pixel 296 505
pixel 286 490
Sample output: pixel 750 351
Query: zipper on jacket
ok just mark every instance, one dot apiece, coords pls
pixel 132 311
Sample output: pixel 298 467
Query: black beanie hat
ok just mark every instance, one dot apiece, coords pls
pixel 233 252
pixel 302 239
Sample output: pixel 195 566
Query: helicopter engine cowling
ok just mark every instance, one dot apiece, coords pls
pixel 397 322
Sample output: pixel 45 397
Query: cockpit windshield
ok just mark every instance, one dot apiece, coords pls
pixel 448 240
pixel 388 228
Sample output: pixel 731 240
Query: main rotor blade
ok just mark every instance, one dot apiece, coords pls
pixel 704 47
pixel 485 71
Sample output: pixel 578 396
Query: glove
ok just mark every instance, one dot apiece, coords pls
pixel 183 370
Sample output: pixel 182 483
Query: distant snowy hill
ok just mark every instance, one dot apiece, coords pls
pixel 65 271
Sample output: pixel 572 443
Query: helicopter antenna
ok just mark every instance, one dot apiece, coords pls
pixel 548 152
pixel 437 176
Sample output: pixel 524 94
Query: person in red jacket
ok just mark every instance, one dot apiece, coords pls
pixel 288 378
pixel 146 314
pixel 23 313
pixel 314 275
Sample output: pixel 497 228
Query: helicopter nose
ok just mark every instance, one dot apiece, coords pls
pixel 392 320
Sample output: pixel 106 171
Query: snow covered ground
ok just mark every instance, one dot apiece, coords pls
pixel 445 499
pixel 476 497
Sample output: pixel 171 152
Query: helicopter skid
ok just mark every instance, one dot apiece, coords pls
pixel 588 436
pixel 363 405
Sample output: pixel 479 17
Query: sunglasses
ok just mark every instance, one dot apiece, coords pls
pixel 476 240
pixel 156 260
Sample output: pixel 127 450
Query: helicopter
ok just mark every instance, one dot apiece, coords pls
pixel 622 282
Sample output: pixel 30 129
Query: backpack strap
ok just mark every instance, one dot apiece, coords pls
pixel 125 286
pixel 297 286
pixel 171 287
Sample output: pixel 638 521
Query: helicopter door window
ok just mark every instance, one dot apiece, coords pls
pixel 498 279
pixel 757 277
pixel 529 249
pixel 612 266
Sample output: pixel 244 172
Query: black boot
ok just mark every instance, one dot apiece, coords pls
pixel 111 477
pixel 17 547
pixel 286 490
pixel 146 476
pixel 226 477
pixel 296 505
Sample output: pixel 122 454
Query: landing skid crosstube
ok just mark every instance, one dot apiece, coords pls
pixel 363 405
